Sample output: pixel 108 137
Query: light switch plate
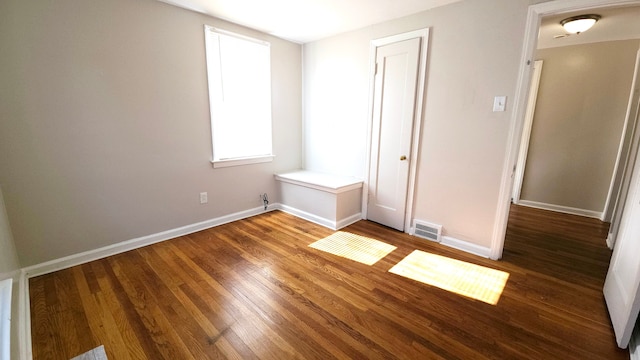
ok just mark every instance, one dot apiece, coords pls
pixel 499 103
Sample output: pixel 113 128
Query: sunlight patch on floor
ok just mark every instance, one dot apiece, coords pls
pixel 463 278
pixel 354 247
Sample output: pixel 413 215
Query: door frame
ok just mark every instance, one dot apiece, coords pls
pixel 423 34
pixel 526 131
pixel 530 40
pixel 627 153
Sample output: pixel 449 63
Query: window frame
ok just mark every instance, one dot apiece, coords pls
pixel 215 94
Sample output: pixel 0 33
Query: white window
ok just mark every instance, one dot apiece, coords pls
pixel 239 74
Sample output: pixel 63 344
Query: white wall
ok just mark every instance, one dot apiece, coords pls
pixel 105 132
pixel 335 104
pixel 474 54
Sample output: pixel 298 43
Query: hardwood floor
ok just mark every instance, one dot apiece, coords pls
pixel 253 289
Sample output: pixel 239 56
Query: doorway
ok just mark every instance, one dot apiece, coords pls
pixel 532 29
pixel 398 75
pixel 580 126
pixel 535 14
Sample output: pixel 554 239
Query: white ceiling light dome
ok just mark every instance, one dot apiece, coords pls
pixel 580 23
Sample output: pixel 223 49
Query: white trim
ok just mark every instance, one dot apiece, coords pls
pixel 320 187
pixel 348 221
pixel 10 275
pixel 370 104
pixel 534 15
pixel 16 318
pixel 563 6
pixel 515 131
pixel 100 253
pixel 562 209
pixel 308 216
pixel 242 161
pixel 634 345
pixel 95 254
pixel 466 246
pixel 6 286
pixel 526 131
pixel 333 225
pixel 610 241
pixel 633 114
pixel 623 156
pixel 417 119
pixel 333 184
pixel 24 318
pixel 236 35
pixel 216 53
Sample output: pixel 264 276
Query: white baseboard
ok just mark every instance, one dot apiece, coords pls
pixel 95 254
pixel 331 224
pixel 466 246
pixel 562 209
pixel 308 216
pixel 22 276
pixel 610 241
pixel 348 221
pixel 91 255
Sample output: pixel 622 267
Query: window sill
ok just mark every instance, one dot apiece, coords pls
pixel 242 161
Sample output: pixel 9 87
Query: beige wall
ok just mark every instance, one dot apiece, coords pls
pixel 104 130
pixel 474 53
pixel 577 126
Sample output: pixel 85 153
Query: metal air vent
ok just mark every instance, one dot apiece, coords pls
pixel 425 230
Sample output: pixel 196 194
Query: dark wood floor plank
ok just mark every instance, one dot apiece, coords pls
pixel 244 322
pixel 162 331
pixel 254 289
pixel 131 323
pixel 45 343
pixel 73 319
pixel 100 322
pixel 109 303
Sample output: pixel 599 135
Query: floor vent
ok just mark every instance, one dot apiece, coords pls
pixel 427 230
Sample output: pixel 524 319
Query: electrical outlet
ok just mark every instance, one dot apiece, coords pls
pixel 203 198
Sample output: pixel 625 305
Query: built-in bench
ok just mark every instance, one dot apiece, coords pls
pixel 329 200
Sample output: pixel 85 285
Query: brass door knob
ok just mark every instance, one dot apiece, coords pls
pixel 403 157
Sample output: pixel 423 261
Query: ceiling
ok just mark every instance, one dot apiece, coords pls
pixel 308 20
pixel 303 21
pixel 617 23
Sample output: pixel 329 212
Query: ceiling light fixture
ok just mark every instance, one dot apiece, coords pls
pixel 580 23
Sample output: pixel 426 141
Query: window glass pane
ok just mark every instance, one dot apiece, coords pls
pixel 240 96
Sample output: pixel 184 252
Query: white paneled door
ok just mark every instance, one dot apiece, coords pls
pixel 394 106
pixel 622 285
